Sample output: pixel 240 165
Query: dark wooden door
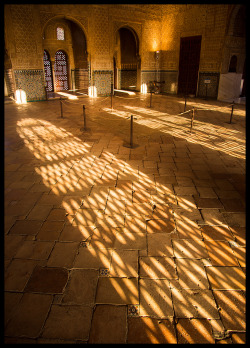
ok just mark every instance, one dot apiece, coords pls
pixel 189 64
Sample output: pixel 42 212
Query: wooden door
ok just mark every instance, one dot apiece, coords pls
pixel 189 64
pixel 48 72
pixel 61 71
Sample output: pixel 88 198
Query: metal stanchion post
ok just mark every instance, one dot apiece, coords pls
pixel 232 112
pixel 150 99
pixel 192 121
pixel 111 96
pixel 131 131
pixel 61 107
pixel 84 118
pixel 185 103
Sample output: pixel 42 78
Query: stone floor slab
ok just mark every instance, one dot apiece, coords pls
pixel 146 330
pixel 194 304
pixel 47 280
pixel 192 274
pixel 232 306
pixel 68 322
pixel 157 267
pixel 108 325
pixel 155 298
pixel 63 254
pixel 81 287
pixel 194 331
pixel 117 291
pixel 227 278
pixel 29 316
pixel 124 263
pixel 221 253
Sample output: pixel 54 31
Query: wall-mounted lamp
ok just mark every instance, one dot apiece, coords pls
pixel 157 54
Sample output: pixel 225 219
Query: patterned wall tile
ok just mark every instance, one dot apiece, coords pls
pixel 102 80
pixel 32 82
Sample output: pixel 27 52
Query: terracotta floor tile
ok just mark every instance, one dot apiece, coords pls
pixel 26 227
pixel 227 278
pixel 221 232
pixel 117 291
pixel 194 304
pixel 194 331
pixel 11 245
pixel 103 238
pixel 68 322
pixel 192 274
pixel 108 325
pixel 146 330
pixel 233 205
pixel 209 203
pixel 239 234
pixel 92 258
pixel 47 280
pixel 155 298
pixel 235 219
pixel 11 301
pixel 39 212
pixel 240 254
pixel 56 214
pixel 157 267
pixel 206 192
pixel 213 217
pixel 232 306
pixel 220 253
pixel 50 230
pixel 189 248
pixel 185 190
pixel 75 233
pixel 188 229
pixel 63 254
pixel 81 287
pixel 29 316
pixel 159 244
pixel 18 273
pixel 130 241
pixel 124 263
pixel 187 214
pixel 36 250
pixel 160 225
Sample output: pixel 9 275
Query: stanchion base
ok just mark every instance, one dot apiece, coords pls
pixel 129 145
pixel 84 129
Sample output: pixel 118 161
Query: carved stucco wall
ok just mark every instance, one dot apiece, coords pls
pixel 158 27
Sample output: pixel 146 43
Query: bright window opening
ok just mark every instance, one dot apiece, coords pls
pixel 60 33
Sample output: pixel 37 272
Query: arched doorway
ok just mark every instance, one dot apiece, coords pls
pixel 48 72
pixel 66 44
pixel 61 71
pixel 129 59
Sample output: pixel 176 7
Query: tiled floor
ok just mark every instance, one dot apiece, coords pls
pixel 110 244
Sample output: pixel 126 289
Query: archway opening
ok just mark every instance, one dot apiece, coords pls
pixel 66 46
pixel 128 59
